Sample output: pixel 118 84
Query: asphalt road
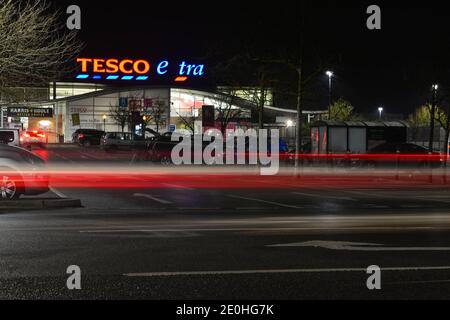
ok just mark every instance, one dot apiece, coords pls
pixel 178 242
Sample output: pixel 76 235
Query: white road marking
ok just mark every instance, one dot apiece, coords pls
pixel 375 206
pixel 392 196
pixel 265 271
pixel 264 201
pixel 86 155
pixel 199 208
pixel 254 208
pixel 268 182
pixel 63 157
pixel 426 198
pixel 58 193
pixel 355 246
pixel 148 196
pixel 371 194
pixel 175 186
pixel 419 282
pixel 158 234
pixel 141 229
pixel 411 206
pixel 322 196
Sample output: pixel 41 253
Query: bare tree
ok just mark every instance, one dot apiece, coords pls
pixel 189 122
pixel 444 120
pixel 249 76
pixel 422 117
pixel 34 47
pixel 226 108
pixel 260 96
pixel 154 113
pixel 189 119
pixel 121 116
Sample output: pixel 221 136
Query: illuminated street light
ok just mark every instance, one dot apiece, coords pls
pixel 289 123
pixel 330 75
pixel 434 88
pixel 380 111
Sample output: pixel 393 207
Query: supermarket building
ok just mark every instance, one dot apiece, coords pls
pixel 95 98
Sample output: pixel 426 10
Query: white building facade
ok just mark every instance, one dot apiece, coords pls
pixel 96 110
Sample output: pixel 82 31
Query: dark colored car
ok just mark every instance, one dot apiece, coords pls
pixel 156 137
pixel 21 172
pixel 87 137
pixel 400 154
pixel 160 148
pixel 122 140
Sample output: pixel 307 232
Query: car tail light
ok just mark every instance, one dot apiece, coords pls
pixel 80 136
pixel 42 135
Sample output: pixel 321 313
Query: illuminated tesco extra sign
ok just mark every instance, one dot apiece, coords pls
pixel 129 69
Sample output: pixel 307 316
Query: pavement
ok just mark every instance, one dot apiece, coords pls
pixel 178 242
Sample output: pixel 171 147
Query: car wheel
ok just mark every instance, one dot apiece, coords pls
pixel 9 187
pixel 371 165
pixel 166 161
pixel 86 143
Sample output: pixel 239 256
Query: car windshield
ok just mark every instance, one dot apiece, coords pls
pixel 385 148
pixel 413 148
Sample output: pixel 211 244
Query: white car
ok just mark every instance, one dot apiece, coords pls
pixel 21 173
pixel 10 137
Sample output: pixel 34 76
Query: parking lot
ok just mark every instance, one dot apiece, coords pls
pixel 159 234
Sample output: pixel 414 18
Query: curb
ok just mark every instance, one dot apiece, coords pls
pixel 45 203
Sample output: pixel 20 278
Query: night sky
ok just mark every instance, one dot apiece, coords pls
pixel 393 67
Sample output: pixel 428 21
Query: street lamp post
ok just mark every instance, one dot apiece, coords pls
pixel 104 122
pixel 434 88
pixel 330 76
pixel 144 124
pixel 380 111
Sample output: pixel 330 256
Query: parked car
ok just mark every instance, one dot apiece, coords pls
pixel 160 149
pixel 10 137
pixel 152 133
pixel 399 154
pixel 305 156
pixel 87 137
pixel 121 140
pixel 21 173
pixel 33 138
